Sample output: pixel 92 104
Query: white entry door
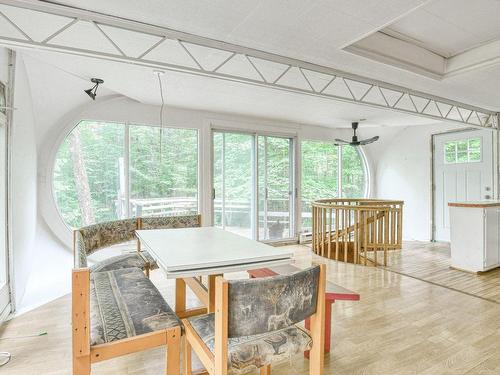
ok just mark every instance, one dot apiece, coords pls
pixel 463 171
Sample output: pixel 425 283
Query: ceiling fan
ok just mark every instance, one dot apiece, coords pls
pixel 354 141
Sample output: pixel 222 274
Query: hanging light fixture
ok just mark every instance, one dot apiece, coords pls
pixel 160 74
pixel 92 92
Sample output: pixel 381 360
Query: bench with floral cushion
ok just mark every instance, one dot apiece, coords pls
pixel 89 239
pixel 119 312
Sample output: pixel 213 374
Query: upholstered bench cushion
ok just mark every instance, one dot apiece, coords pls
pixel 125 303
pixel 129 260
pixel 250 352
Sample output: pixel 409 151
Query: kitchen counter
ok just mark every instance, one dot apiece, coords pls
pixel 476 204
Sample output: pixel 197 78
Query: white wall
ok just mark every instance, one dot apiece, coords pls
pixel 403 162
pixel 23 183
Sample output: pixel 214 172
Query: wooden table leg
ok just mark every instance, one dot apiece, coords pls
pixel 328 326
pixel 180 295
pixel 211 293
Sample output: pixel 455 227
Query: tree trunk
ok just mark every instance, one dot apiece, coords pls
pixel 81 178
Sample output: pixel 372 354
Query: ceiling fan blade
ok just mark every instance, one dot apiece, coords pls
pixel 368 141
pixel 341 141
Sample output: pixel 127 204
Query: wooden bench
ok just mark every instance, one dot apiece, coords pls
pixel 120 312
pixel 87 240
pixel 333 293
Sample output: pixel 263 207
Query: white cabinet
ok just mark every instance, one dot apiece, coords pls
pixel 475 235
pixel 491 237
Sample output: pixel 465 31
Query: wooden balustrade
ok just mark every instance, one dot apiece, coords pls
pixel 357 230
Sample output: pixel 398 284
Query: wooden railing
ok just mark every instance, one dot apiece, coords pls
pixel 356 230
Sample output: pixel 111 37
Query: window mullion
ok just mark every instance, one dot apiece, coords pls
pixel 339 172
pixel 126 167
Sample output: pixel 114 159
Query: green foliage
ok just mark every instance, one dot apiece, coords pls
pixel 320 173
pixel 102 145
pixel 172 172
pixel 103 150
pixel 353 173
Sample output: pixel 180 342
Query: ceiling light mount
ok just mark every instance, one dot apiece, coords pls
pixel 92 92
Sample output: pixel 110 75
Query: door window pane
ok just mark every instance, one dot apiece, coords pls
pixel 86 181
pixel 474 149
pixel 319 176
pixel 163 182
pixel 462 151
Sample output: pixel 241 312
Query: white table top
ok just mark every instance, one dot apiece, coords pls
pixel 190 252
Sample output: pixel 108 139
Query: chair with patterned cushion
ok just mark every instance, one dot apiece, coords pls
pixel 89 239
pixel 255 324
pixel 120 312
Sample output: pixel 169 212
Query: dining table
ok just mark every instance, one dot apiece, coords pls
pixel 190 254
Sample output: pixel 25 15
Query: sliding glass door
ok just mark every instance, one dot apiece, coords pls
pixel 233 176
pixel 275 170
pixel 253 184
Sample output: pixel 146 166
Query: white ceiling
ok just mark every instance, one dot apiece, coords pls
pixel 449 27
pixel 317 30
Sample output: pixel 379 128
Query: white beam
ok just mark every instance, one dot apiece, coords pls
pixel 353 88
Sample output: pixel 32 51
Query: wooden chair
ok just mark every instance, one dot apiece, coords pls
pixel 254 324
pixel 120 312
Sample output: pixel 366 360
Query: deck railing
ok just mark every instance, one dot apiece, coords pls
pixel 356 230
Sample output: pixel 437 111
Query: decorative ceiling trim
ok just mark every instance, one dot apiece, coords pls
pixel 191 54
pixel 399 50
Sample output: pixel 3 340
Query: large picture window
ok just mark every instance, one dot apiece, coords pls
pixel 329 171
pixel 98 178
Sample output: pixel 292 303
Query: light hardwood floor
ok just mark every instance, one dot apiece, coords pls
pixel 401 326
pixel 431 262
